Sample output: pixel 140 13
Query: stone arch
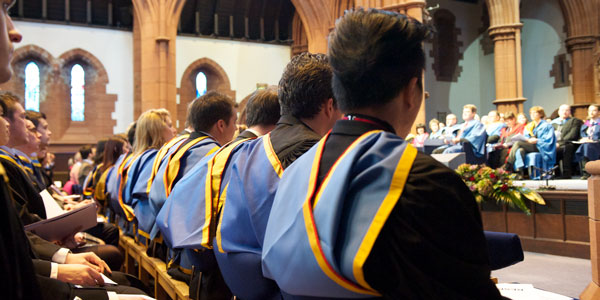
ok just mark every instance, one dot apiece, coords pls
pixel 217 80
pixel 99 105
pixel 45 61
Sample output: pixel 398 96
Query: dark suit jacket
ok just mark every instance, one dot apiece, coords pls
pixel 569 131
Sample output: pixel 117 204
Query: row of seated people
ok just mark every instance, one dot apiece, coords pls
pixel 511 142
pixel 60 269
pixel 305 205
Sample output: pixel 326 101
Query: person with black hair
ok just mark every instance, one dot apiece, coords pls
pixel 363 213
pixel 262 113
pixel 250 169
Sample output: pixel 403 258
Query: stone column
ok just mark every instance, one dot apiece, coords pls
pixel 583 31
pixel 593 289
pixel 155 32
pixel 318 20
pixel 581 49
pixel 505 31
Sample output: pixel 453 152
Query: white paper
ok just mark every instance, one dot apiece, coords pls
pixel 70 222
pixel 52 208
pixel 516 291
pixel 107 281
pixel 585 142
pixel 134 297
pixel 518 138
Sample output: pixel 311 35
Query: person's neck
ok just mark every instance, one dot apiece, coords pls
pixel 316 124
pixel 383 114
pixel 12 144
pixel 25 150
pixel 261 129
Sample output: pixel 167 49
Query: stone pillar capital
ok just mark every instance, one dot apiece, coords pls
pixel 504 31
pixel 581 42
pixel 404 6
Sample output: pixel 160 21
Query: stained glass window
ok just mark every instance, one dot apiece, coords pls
pixel 32 87
pixel 200 84
pixel 77 93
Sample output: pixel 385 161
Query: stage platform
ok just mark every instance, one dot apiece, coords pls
pixel 559 184
pixel 560 227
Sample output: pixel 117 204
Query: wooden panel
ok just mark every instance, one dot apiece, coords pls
pixel 549 226
pixel 556 247
pixel 493 221
pixel 520 223
pixel 577 228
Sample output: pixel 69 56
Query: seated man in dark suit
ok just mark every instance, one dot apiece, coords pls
pixel 566 129
pixel 363 213
pixel 262 113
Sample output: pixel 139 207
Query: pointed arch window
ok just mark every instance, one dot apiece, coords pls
pixel 200 84
pixel 77 93
pixel 32 86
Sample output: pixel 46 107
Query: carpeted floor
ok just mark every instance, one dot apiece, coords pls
pixel 558 274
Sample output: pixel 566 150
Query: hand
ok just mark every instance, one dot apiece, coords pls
pixel 79 274
pixel 532 140
pixel 455 140
pixel 89 259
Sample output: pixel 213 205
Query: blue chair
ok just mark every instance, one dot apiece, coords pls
pixel 504 249
pixel 470 156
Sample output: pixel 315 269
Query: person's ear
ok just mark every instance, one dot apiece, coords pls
pixel 412 93
pixel 221 125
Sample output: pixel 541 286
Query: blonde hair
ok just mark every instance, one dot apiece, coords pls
pixel 539 110
pixel 149 130
pixel 472 107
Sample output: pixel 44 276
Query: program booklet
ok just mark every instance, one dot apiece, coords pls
pixel 68 223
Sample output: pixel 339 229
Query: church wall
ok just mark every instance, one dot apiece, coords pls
pixel 542 39
pixel 114 49
pixel 246 64
pixel 475 82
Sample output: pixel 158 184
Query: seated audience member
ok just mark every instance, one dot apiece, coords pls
pixel 540 138
pixel 24 274
pixel 88 153
pixel 363 213
pixel 153 130
pixel 249 171
pixel 494 126
pixel 471 132
pixel 114 179
pixel 434 126
pixel 566 129
pixel 98 157
pixel 421 137
pixel 213 117
pixel 41 125
pixel 450 129
pixel 26 153
pixel 502 147
pixel 521 119
pixel 113 149
pixel 447 133
pixel 262 113
pixel 590 135
pixel 74 171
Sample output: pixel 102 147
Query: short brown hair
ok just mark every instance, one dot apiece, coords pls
pixel 509 115
pixel 472 107
pixel 539 110
pixel 10 100
pixel 206 110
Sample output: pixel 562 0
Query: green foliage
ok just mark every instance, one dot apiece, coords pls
pixel 488 184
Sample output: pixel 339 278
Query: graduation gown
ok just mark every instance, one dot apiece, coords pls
pixel 181 158
pixel 476 135
pixel 383 220
pixel 546 144
pixel 590 151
